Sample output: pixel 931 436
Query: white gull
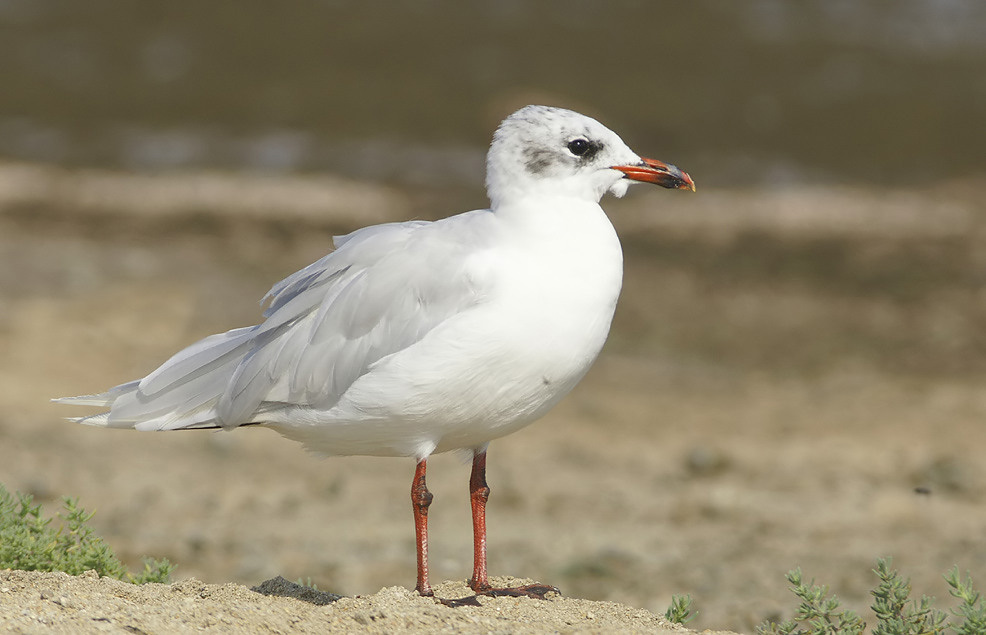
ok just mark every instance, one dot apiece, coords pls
pixel 422 337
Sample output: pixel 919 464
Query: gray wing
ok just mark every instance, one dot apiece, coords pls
pixel 380 291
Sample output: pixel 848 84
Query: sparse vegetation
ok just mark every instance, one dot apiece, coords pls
pixel 680 610
pixel 896 613
pixel 29 542
pixel 972 610
pixel 307 583
pixel 820 614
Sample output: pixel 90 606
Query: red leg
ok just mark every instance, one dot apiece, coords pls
pixel 420 500
pixel 479 493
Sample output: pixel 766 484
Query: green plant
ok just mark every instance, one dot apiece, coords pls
pixel 29 542
pixel 308 584
pixel 816 615
pixel 680 611
pixel 896 613
pixel 972 610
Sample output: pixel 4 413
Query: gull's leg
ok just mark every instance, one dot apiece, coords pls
pixel 420 500
pixel 479 493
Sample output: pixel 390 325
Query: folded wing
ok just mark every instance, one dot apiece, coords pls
pixel 383 289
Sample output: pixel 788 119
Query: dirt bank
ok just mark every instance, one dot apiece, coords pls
pixel 32 602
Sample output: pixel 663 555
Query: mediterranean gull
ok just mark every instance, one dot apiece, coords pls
pixel 421 337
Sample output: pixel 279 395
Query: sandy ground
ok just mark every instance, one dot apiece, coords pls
pixel 786 368
pixel 57 603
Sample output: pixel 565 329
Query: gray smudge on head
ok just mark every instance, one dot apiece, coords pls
pixel 537 160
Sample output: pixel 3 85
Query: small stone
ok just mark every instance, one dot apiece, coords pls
pixel 705 461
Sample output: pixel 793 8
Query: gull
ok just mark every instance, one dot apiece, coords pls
pixel 420 337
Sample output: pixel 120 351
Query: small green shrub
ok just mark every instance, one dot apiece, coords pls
pixel 680 611
pixel 816 615
pixel 28 542
pixel 972 610
pixel 896 613
pixel 308 584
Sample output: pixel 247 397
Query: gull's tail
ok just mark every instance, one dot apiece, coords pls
pixel 182 394
pixel 103 400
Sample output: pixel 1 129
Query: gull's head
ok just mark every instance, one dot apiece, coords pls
pixel 540 150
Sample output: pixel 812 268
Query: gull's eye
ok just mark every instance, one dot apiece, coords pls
pixel 578 147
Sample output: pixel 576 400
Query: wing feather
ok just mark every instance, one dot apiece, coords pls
pixel 383 289
pixel 198 357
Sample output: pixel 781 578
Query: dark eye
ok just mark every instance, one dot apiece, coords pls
pixel 578 147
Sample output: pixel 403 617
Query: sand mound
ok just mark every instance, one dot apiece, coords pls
pixel 32 601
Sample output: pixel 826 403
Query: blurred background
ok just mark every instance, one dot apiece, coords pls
pixel 799 350
pixel 763 92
